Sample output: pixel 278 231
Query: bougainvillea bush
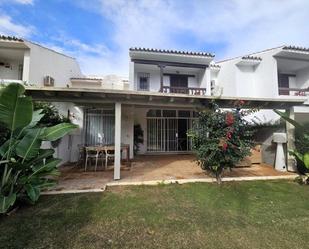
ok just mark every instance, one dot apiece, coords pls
pixel 221 138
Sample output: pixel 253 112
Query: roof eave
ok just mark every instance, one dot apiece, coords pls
pixel 84 95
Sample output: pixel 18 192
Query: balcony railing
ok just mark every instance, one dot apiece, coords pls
pixel 5 81
pixel 294 91
pixel 184 90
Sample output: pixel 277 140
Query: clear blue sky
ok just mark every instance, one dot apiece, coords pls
pixel 98 33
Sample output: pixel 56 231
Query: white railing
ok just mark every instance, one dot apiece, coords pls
pixel 6 81
pixel 293 91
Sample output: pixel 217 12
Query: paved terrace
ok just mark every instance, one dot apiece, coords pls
pixel 151 168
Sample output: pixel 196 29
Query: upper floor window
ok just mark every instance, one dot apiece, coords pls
pixel 143 81
pixel 212 86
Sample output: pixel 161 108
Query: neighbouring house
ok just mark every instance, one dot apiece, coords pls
pixel 163 93
pixel 23 61
pixel 273 73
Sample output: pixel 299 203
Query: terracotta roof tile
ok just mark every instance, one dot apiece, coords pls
pixel 10 38
pixel 301 49
pixel 250 57
pixel 84 78
pixel 215 66
pixel 153 50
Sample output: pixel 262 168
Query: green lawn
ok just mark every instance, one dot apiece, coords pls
pixel 235 215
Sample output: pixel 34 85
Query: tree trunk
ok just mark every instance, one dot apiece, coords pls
pixel 218 177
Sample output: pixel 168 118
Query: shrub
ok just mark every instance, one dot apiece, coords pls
pixel 220 139
pixel 25 168
pixel 51 115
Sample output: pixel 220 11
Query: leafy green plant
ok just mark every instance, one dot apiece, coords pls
pixel 301 153
pixel 220 139
pixel 138 137
pixel 25 168
pixel 51 114
pixel 51 117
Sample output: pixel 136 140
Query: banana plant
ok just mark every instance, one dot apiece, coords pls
pixel 25 168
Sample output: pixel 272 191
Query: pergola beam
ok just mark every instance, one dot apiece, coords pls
pixel 153 98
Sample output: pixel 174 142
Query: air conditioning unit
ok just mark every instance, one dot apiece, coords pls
pixel 49 81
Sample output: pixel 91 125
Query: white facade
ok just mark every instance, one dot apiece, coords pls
pixel 173 71
pixel 168 72
pixel 259 75
pixel 25 61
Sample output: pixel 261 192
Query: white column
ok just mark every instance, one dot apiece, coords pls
pixel 117 162
pixel 290 131
pixel 131 76
pixel 205 81
pixel 26 67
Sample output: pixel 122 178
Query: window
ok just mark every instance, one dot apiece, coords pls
pixel 212 86
pixel 154 113
pixel 143 81
pixel 169 113
pixel 185 114
pixel 100 126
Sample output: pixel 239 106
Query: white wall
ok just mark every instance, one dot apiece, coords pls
pixel 302 78
pixel 226 78
pixel 46 62
pixel 250 81
pixel 245 81
pixel 68 148
pixel 266 74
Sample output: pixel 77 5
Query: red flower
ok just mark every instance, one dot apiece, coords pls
pixel 229 135
pixel 242 102
pixel 229 119
pixel 224 146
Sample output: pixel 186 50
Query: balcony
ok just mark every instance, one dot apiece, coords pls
pixel 184 90
pixel 293 91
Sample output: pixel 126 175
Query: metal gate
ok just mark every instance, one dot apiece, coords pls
pixel 168 134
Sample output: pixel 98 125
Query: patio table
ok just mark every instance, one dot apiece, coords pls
pixel 111 147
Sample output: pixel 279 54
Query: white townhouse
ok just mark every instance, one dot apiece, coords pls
pixel 279 72
pixel 27 62
pixel 163 93
pixel 165 90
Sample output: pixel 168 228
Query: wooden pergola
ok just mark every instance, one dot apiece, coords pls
pixel 93 96
pixel 117 98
